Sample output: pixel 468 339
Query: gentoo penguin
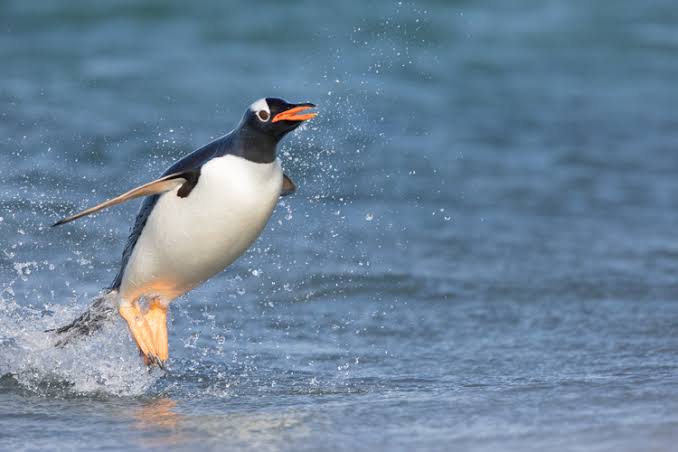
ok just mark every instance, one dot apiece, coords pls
pixel 196 219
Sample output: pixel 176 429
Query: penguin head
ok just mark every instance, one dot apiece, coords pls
pixel 275 117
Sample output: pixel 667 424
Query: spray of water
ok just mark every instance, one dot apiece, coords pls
pixel 106 363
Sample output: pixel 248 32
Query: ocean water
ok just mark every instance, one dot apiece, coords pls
pixel 482 254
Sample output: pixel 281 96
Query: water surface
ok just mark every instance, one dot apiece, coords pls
pixel 481 255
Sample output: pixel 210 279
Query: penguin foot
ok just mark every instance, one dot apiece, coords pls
pixel 152 361
pixel 149 330
pixel 156 319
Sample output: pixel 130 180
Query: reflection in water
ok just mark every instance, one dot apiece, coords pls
pixel 161 425
pixel 157 414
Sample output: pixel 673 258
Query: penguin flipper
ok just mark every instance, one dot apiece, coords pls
pixel 165 183
pixel 288 187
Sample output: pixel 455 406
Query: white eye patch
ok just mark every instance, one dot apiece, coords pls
pixel 260 105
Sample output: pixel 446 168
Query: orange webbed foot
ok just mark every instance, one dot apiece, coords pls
pixel 149 330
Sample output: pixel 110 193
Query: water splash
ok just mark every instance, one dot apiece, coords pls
pixel 104 364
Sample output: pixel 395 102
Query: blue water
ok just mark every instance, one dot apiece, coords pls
pixel 482 254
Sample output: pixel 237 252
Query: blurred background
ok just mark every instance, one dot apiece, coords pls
pixel 482 252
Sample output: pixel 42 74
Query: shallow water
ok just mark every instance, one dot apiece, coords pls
pixel 481 255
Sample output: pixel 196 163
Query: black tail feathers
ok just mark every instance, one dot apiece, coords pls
pixel 89 321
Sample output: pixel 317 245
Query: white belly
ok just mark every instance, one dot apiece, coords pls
pixel 187 240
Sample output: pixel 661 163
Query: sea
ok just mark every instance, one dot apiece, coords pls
pixel 482 253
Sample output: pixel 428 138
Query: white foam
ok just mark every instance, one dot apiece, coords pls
pixel 104 363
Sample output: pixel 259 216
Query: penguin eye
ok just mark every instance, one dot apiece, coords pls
pixel 263 115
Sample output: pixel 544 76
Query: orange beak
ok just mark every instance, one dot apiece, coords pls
pixel 293 114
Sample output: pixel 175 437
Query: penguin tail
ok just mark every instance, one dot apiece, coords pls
pixel 101 311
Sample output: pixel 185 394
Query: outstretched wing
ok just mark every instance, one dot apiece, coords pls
pixel 185 179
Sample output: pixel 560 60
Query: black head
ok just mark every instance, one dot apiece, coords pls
pixel 266 122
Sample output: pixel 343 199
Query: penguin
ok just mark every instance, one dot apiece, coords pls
pixel 197 218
